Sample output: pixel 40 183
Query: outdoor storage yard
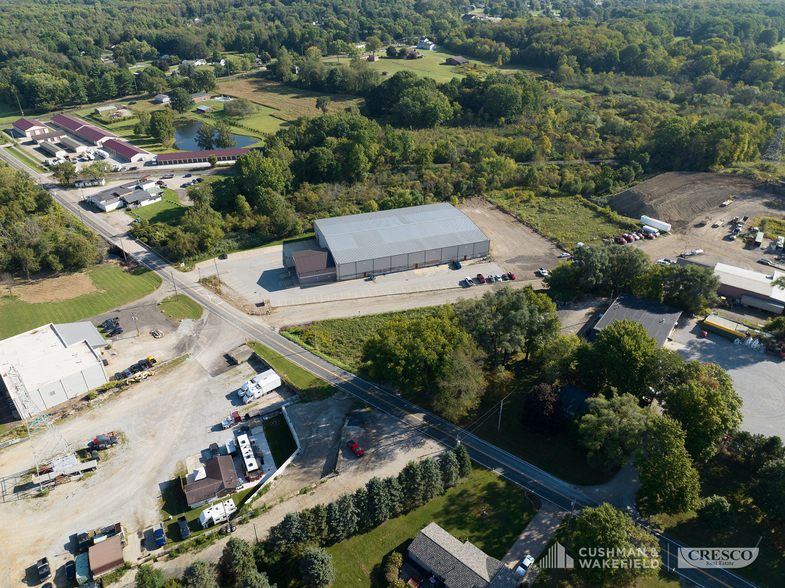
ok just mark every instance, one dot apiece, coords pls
pixel 684 199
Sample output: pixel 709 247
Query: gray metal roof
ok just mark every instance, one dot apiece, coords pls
pixel 461 565
pixel 71 333
pixel 658 319
pixel 396 232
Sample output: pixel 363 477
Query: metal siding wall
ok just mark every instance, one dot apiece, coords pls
pixel 465 250
pixel 481 249
pixel 95 376
pixel 449 253
pixel 399 262
pixel 345 270
pixel 51 395
pixel 416 258
pixel 365 266
pixel 74 384
pixel 381 264
pixel 433 256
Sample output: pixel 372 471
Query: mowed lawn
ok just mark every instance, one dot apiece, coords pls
pixel 286 102
pixel 114 288
pixel 459 512
pixel 169 210
pixel 309 386
pixel 181 307
pixel 431 65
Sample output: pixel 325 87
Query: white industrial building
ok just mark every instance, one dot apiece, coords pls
pixel 54 363
pixel 751 288
pixel 393 240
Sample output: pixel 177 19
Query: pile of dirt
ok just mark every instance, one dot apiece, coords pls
pixel 680 197
pixel 55 289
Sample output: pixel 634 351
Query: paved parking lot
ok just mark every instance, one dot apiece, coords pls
pixel 759 377
pixel 261 274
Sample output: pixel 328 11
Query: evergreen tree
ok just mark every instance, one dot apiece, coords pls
pixel 237 560
pixel 432 479
pixel 307 523
pixel 363 506
pixel 412 485
pixel 200 574
pixel 319 513
pixel 464 461
pixel 288 532
pixel 396 496
pixel 316 568
pixel 342 517
pixel 449 467
pixel 379 507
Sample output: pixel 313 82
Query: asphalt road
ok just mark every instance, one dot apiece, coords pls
pixel 510 467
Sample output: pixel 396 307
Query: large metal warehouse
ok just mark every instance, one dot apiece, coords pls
pixel 395 240
pixel 751 288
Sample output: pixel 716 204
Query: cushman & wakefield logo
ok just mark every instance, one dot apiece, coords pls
pixel 717 557
pixel 601 557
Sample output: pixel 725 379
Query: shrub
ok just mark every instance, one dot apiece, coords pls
pixel 717 512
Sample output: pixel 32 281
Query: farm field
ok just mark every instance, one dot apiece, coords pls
pixel 108 288
pixel 286 102
pixel 359 561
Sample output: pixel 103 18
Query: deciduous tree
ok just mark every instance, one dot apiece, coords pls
pixel 149 577
pixel 181 100
pixel 666 473
pixel 161 126
pixel 624 352
pixel 542 409
pixel 768 490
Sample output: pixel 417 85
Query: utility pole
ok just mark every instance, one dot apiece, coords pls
pixel 122 247
pixel 16 93
pixel 136 322
pixel 501 406
pixel 174 283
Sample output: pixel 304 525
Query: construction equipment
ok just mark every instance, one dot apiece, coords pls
pixel 718 223
pixel 705 221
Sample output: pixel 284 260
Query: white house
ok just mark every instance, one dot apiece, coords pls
pixel 426 44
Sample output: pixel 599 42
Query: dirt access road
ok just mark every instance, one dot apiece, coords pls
pixel 684 199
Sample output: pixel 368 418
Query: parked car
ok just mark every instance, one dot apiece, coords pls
pixel 110 321
pixel 159 182
pixel 542 272
pixel 185 531
pixel 199 180
pixel 481 278
pixel 43 569
pixel 354 448
pixel 497 278
pixel 145 365
pixel 158 533
pixel 469 281
pixel 136 368
pixel 527 562
pixel 70 571
pixel 565 254
pixel 152 360
pixel 505 277
pixel 511 275
pixel 118 376
pixel 457 264
pixel 127 373
pixel 187 175
pixel 132 102
pixel 115 332
pixel 223 256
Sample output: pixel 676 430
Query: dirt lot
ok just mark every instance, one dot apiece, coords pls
pixel 388 447
pixel 513 245
pixel 684 199
pixel 54 289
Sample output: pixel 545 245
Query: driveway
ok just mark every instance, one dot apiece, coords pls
pixel 759 378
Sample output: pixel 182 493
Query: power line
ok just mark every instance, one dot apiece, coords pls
pixel 774 152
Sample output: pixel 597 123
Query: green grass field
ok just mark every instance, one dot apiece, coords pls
pixel 262 121
pixel 772 227
pixel 25 158
pixel 114 289
pixel 280 439
pixel 359 561
pixel 181 307
pixel 309 386
pixel 569 220
pixel 169 210
pixel 431 65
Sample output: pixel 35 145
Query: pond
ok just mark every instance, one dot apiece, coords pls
pixel 185 136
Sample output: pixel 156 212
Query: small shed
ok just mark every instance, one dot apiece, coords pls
pixel 162 99
pixel 241 354
pixel 105 109
pixel 457 60
pixel 202 109
pixel 106 556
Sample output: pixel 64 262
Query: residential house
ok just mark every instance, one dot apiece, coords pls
pixel 217 479
pixel 162 99
pixel 200 96
pixel 456 564
pixel 28 127
pixel 573 400
pixel 426 44
pixel 457 60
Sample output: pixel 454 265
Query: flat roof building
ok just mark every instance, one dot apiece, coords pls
pixel 751 288
pixel 106 556
pixel 54 363
pixel 658 319
pixel 314 266
pixel 401 239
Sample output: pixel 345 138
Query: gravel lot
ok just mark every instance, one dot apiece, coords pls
pixel 759 378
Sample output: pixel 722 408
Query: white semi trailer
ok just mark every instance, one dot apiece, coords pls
pixel 657 224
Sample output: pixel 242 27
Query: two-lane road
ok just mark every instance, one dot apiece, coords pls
pixel 503 463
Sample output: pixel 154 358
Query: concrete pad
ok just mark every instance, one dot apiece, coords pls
pixel 535 536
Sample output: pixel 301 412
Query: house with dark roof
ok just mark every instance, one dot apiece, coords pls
pixel 139 198
pixel 573 400
pixel 658 319
pixel 202 109
pixel 457 60
pixel 200 96
pixel 456 564
pixel 28 127
pixel 217 479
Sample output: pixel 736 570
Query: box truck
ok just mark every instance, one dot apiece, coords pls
pixel 259 385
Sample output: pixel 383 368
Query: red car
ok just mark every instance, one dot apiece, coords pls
pixel 511 275
pixel 704 334
pixel 356 449
pixel 480 278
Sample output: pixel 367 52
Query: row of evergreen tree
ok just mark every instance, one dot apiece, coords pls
pixel 372 505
